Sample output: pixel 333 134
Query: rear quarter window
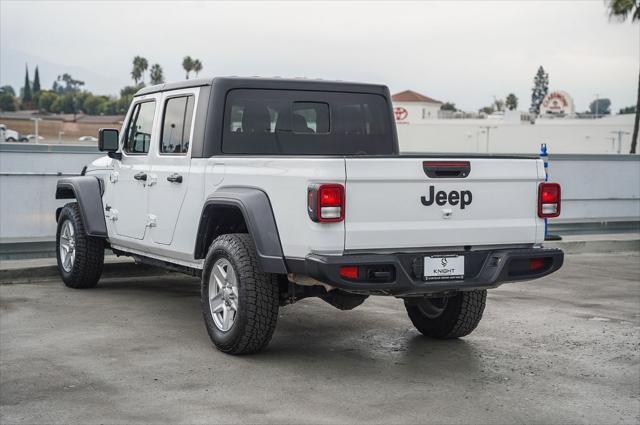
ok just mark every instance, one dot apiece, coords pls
pixel 288 122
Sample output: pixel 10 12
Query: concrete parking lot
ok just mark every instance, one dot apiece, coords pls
pixel 565 349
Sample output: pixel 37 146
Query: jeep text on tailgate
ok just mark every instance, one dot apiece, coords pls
pixel 276 190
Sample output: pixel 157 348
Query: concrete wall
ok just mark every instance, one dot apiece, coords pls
pixel 595 188
pixel 561 135
pixel 28 176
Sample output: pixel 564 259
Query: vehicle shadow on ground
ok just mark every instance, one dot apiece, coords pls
pixel 375 335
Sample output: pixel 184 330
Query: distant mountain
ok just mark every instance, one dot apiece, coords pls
pixel 12 72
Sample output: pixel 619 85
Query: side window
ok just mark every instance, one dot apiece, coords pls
pixel 138 136
pixel 176 125
pixel 310 117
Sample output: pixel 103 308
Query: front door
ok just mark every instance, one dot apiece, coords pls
pixel 131 176
pixel 171 162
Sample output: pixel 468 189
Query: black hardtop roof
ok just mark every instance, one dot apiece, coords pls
pixel 268 83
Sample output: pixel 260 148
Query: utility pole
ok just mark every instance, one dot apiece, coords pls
pixel 487 129
pixel 620 133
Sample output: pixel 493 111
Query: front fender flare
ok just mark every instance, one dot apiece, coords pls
pixel 261 224
pixel 87 190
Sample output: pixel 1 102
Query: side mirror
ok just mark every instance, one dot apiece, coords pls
pixel 109 141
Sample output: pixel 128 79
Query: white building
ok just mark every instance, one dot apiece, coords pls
pixel 410 107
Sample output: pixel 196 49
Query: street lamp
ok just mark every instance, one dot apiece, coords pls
pixel 620 133
pixel 487 128
pixel 35 121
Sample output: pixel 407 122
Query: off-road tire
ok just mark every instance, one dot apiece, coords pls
pixel 258 297
pixel 459 318
pixel 89 252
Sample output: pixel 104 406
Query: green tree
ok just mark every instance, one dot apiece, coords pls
pixel 512 102
pixel 7 90
pixel 187 64
pixel 487 110
pixel 7 102
pixel 36 81
pixel 621 10
pixel 68 104
pixel 539 91
pixel 26 93
pixel 138 71
pixel 71 85
pixel 627 110
pixel 498 104
pixel 93 105
pixel 155 74
pixel 197 66
pixel 144 65
pixel 448 106
pixel 600 107
pixel 46 100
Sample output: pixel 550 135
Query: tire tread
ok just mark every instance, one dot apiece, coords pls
pixel 89 260
pixel 462 315
pixel 260 290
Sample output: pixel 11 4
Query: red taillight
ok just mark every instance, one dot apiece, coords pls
pixel 325 203
pixel 548 200
pixel 349 272
pixel 330 196
pixel 536 263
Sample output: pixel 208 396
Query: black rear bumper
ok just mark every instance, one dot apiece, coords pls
pixel 402 274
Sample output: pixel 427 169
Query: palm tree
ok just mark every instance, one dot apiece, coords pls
pixel 621 9
pixel 197 66
pixel 140 65
pixel 187 64
pixel 144 65
pixel 156 75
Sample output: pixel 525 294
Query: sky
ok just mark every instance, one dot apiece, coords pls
pixel 464 52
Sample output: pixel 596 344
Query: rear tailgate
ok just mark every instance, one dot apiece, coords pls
pixel 391 203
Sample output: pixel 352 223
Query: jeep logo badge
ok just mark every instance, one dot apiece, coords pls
pixel 463 198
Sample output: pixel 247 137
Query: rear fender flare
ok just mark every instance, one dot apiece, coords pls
pixel 258 216
pixel 87 191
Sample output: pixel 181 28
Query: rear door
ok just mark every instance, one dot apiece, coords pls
pixel 408 202
pixel 171 163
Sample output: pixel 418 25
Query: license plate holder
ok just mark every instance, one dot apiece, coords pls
pixel 443 267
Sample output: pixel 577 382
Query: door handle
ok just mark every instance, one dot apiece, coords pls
pixel 175 178
pixel 141 176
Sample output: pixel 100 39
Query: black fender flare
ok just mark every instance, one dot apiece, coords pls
pixel 87 190
pixel 258 215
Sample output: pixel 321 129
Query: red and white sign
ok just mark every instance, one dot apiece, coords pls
pixel 557 103
pixel 400 113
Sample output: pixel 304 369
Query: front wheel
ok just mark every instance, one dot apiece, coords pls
pixel 447 317
pixel 239 302
pixel 80 256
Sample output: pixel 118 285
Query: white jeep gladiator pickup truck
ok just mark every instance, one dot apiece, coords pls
pixel 274 190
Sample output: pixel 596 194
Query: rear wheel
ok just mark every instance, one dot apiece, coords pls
pixel 80 256
pixel 447 317
pixel 239 302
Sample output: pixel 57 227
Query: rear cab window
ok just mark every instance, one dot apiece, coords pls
pixel 290 122
pixel 176 125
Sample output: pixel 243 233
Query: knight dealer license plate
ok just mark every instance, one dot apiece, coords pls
pixel 448 267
